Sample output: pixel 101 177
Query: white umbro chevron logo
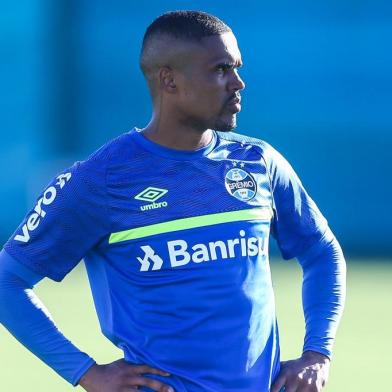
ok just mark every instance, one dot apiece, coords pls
pixel 151 194
pixel 149 254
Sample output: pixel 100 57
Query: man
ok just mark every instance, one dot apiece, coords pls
pixel 173 222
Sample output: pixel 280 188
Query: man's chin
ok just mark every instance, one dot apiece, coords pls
pixel 223 126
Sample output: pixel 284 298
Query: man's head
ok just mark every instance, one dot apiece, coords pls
pixel 190 61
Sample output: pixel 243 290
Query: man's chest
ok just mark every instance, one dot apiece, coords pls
pixel 173 216
pixel 158 191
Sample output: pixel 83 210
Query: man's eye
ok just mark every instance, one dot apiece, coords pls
pixel 223 68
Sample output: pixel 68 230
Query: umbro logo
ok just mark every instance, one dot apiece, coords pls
pixel 151 195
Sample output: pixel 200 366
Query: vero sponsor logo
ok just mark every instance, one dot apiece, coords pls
pixel 182 253
pixel 151 195
pixel 48 198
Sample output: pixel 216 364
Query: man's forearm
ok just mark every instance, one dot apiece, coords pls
pixel 22 313
pixel 323 293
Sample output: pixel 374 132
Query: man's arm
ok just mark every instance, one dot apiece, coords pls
pixel 323 295
pixel 24 315
pixel 69 218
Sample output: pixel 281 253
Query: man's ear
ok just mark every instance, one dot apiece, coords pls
pixel 166 80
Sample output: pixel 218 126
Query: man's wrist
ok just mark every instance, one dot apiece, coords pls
pixel 316 356
pixel 83 380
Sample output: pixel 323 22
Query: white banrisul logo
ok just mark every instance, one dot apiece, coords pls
pixel 149 254
pixel 181 253
pixel 152 194
pixel 48 198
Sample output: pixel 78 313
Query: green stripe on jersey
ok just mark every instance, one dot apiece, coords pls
pixel 262 213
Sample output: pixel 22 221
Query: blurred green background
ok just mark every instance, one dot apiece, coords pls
pixel 319 89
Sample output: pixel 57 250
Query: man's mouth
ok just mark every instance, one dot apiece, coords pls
pixel 235 98
pixel 234 103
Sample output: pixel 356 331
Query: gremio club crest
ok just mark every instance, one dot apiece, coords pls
pixel 240 184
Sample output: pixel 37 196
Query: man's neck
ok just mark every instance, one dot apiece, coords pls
pixel 178 137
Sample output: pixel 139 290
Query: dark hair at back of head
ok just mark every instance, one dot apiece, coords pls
pixel 192 25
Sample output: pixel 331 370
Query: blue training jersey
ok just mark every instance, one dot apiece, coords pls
pixel 176 248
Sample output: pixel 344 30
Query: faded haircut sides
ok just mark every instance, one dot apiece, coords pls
pixel 183 24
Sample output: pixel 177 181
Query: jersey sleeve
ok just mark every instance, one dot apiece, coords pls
pixel 297 222
pixel 26 317
pixel 323 293
pixel 66 221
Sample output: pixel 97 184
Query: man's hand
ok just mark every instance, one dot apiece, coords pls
pixel 306 374
pixel 120 376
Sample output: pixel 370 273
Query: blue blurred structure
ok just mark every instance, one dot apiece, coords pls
pixel 319 88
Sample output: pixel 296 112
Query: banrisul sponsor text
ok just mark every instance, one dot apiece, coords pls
pixel 181 252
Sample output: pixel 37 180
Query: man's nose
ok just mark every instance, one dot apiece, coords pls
pixel 237 83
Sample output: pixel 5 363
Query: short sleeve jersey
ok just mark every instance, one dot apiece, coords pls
pixel 176 249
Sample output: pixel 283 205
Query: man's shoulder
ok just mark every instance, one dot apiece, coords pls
pixel 112 152
pixel 92 170
pixel 243 140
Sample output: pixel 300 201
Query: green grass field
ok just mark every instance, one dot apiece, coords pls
pixel 362 352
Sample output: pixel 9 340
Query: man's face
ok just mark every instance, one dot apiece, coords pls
pixel 209 86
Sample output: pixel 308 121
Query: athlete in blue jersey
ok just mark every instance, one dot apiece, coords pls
pixel 173 223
